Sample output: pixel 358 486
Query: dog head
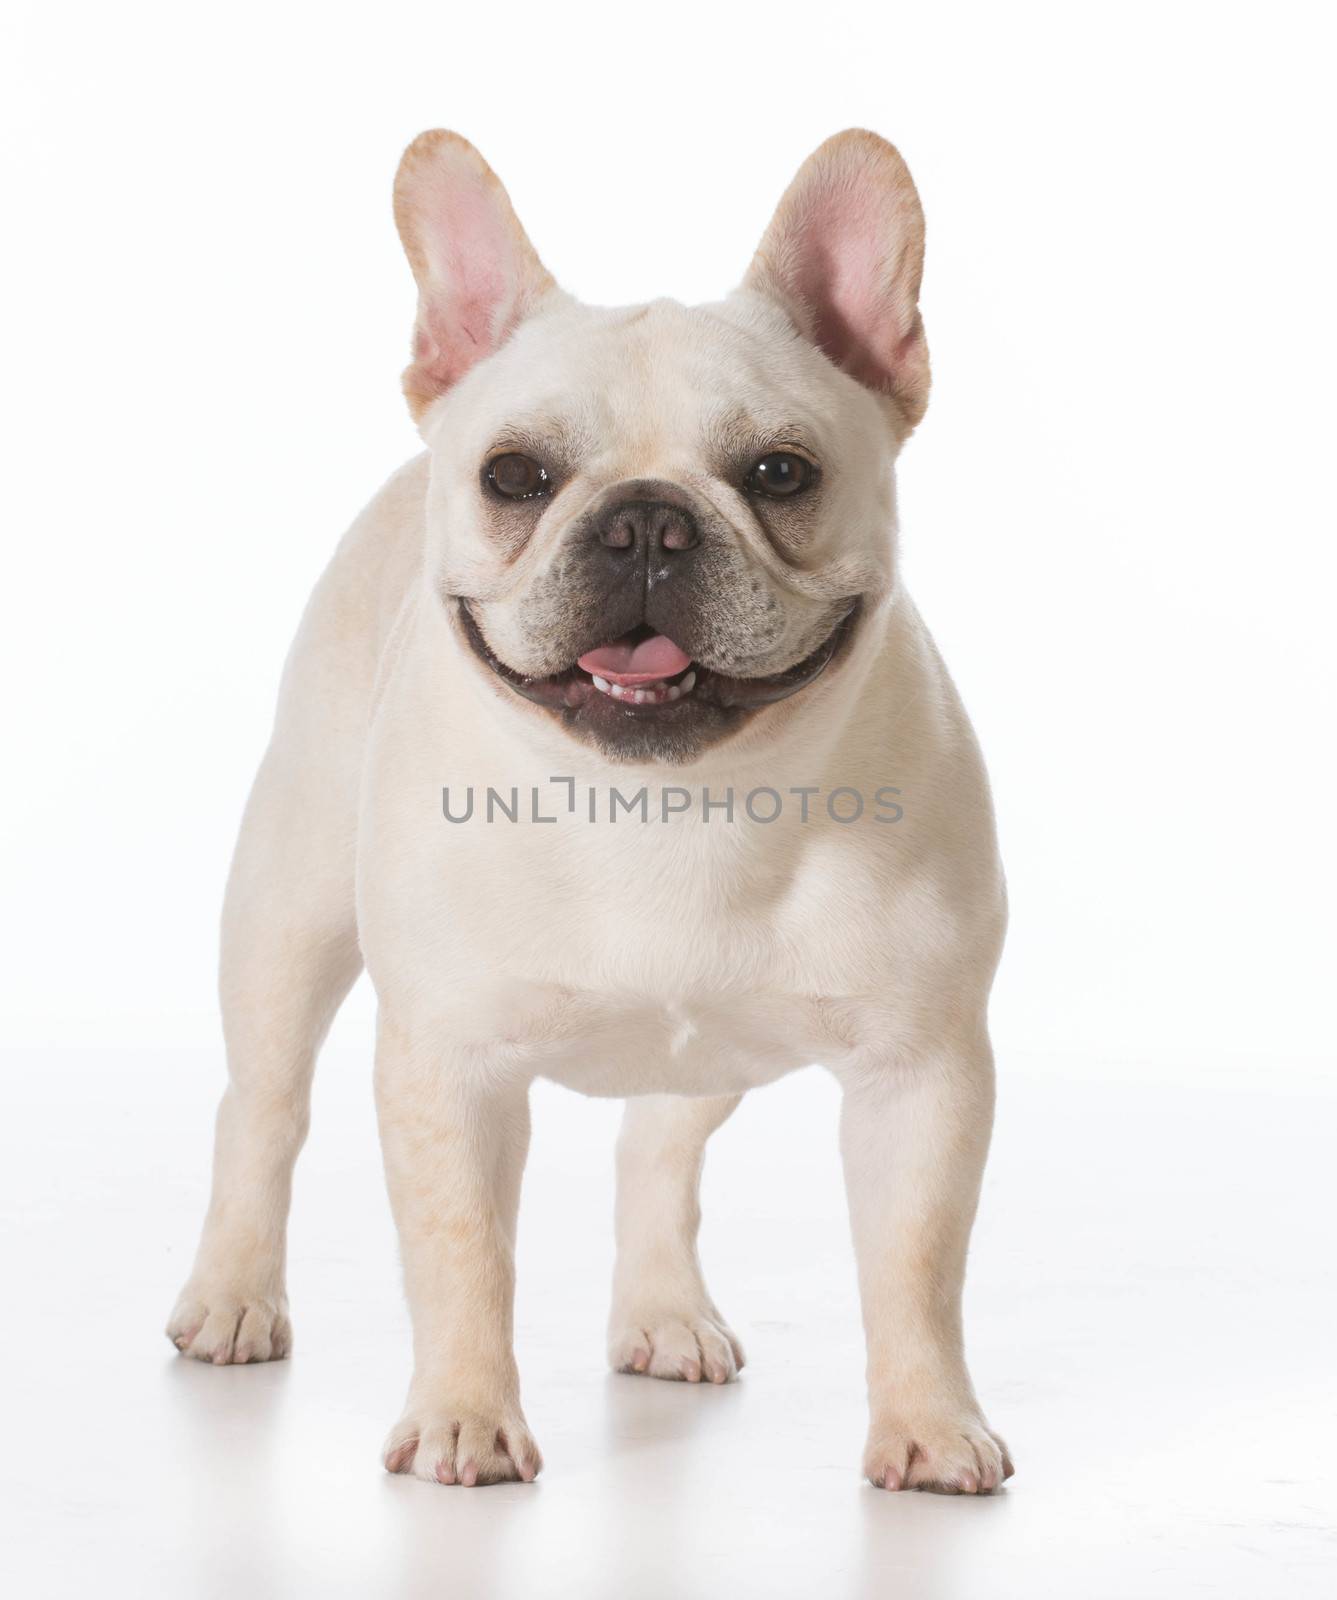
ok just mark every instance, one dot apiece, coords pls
pixel 656 525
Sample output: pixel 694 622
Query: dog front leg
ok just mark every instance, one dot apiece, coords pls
pixel 455 1134
pixel 914 1136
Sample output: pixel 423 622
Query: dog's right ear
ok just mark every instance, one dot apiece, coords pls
pixel 478 275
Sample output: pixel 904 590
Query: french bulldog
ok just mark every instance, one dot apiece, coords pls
pixel 647 554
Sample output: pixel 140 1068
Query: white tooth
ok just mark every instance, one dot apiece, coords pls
pixel 600 683
pixel 689 682
pixel 616 690
pixel 674 692
pixel 641 697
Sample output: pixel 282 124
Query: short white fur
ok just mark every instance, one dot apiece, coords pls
pixel 675 965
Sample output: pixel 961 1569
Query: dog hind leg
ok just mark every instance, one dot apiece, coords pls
pixel 289 955
pixel 663 1321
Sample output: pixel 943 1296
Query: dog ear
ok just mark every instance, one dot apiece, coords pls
pixel 478 275
pixel 843 255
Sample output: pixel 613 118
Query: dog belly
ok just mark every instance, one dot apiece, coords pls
pixel 706 1049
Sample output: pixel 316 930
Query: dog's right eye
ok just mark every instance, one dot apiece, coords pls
pixel 518 477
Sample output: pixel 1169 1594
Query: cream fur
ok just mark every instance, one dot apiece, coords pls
pixel 678 965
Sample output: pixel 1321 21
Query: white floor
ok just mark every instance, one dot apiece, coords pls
pixel 1151 1320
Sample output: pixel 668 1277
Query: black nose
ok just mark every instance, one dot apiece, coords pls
pixel 649 527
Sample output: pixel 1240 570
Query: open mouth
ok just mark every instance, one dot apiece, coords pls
pixel 646 674
pixel 640 669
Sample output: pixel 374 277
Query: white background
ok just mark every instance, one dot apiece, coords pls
pixel 1117 519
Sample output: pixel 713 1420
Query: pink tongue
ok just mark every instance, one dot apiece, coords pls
pixel 629 664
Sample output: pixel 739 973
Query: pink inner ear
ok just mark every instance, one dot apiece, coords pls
pixel 843 276
pixel 469 300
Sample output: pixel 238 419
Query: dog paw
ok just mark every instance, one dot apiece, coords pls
pixel 228 1327
pixel 459 1444
pixel 691 1347
pixel 947 1454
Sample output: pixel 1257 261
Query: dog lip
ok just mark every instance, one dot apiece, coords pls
pixel 573 689
pixel 746 693
pixel 561 691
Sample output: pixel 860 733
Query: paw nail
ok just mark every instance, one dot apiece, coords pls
pixel 469 1477
pixel 640 1360
pixel 717 1373
pixel 445 1473
pixel 691 1370
pixel 891 1479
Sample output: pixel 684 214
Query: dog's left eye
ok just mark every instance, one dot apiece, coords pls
pixel 518 477
pixel 780 474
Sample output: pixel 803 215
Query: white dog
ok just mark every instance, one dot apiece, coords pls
pixel 640 596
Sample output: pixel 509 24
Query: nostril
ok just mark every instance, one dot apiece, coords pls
pixel 678 531
pixel 619 533
pixel 649 525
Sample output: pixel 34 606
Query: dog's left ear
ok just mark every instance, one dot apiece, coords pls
pixel 844 255
pixel 478 275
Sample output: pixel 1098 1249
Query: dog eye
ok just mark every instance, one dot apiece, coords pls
pixel 781 474
pixel 518 477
